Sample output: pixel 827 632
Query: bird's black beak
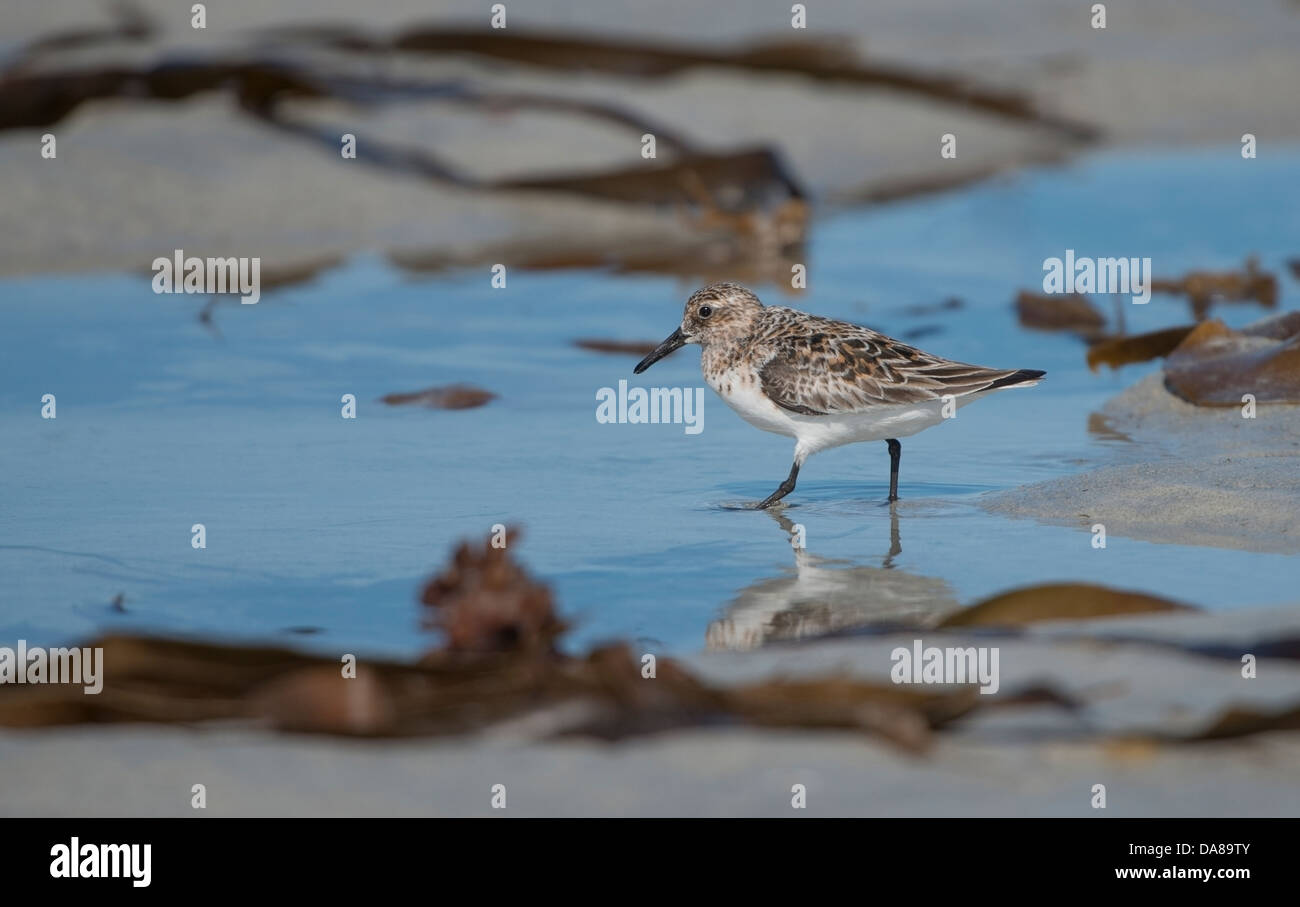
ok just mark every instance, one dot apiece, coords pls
pixel 676 340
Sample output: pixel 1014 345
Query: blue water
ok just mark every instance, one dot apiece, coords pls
pixel 316 521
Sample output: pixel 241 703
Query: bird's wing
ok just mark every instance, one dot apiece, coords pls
pixel 822 367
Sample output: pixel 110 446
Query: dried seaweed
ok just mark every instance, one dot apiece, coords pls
pixel 1277 327
pixel 745 214
pixel 828 61
pixel 172 681
pixel 750 179
pixel 299 272
pixel 452 396
pixel 692 168
pixel 499 663
pixel 500 668
pixel 1239 721
pixel 1118 351
pixel 748 191
pixel 1284 647
pixel 1062 601
pixel 1204 288
pixel 621 347
pixel 1231 723
pixel 272 278
pixel 132 26
pixel 1070 312
pixel 1217 366
pixel 1076 314
pixel 878 192
pixel 729 188
pixel 699 255
pixel 483 601
pixel 39 100
pixel 920 332
pixel 926 309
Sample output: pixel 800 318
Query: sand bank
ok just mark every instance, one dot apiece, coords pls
pixel 1212 477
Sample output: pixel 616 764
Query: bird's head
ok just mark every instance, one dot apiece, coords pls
pixel 718 311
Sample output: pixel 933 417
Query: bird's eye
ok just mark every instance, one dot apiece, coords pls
pixel 706 311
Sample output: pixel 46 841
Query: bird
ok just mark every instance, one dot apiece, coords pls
pixel 821 381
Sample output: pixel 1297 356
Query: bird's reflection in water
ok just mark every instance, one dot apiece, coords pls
pixel 821 596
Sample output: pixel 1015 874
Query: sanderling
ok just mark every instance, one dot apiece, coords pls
pixel 820 381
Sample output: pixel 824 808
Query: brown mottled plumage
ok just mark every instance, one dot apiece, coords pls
pixel 821 381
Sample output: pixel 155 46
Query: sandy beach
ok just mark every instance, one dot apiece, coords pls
pixel 195 174
pixel 1213 479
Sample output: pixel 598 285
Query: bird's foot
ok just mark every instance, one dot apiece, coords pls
pixel 773 498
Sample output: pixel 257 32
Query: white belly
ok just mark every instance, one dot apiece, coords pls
pixel 814 433
pixel 874 424
pixel 755 408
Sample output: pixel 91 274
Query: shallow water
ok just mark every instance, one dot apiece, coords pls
pixel 314 521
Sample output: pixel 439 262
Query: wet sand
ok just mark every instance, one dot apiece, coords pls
pixel 1211 477
pixel 132 178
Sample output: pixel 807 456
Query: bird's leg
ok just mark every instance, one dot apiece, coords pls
pixel 895 454
pixel 785 488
